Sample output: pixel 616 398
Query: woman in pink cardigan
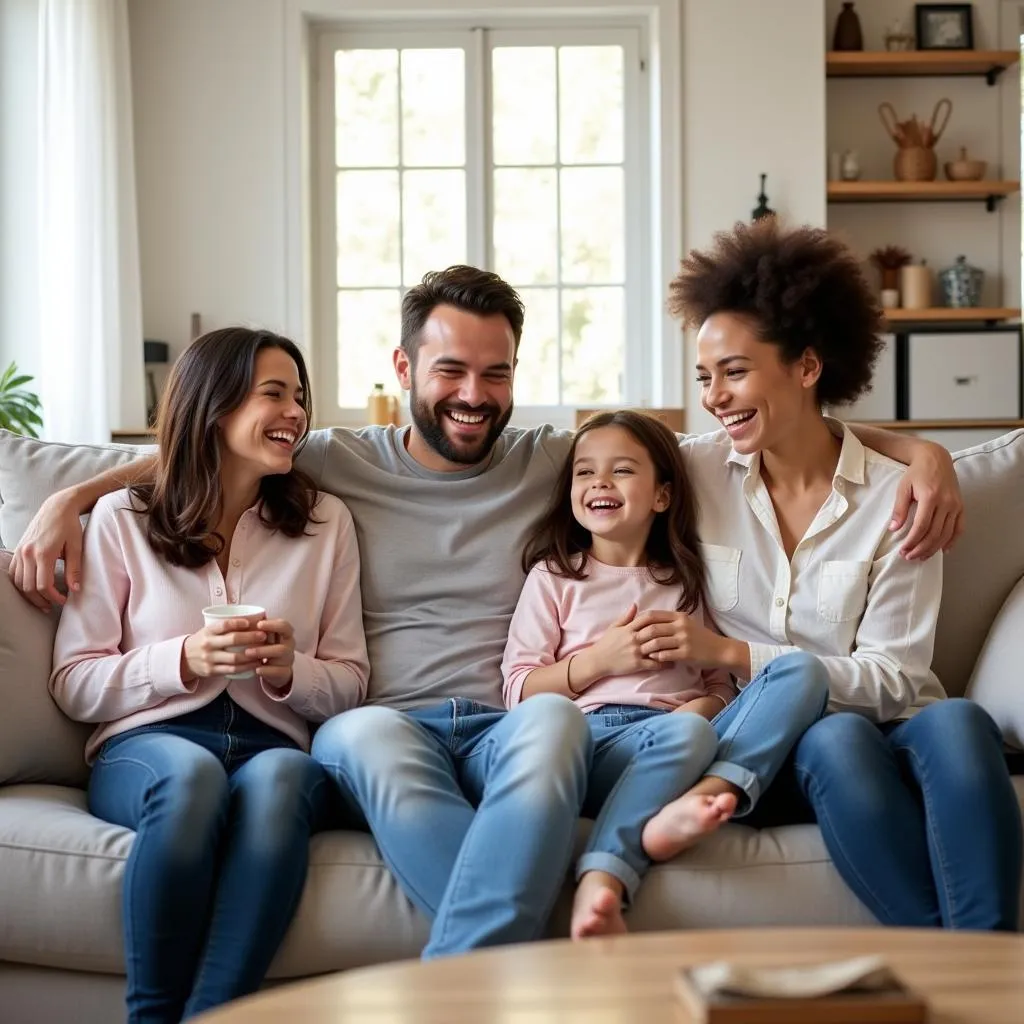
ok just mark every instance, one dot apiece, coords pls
pixel 201 740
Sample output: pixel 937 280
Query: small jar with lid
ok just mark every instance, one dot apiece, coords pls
pixel 961 284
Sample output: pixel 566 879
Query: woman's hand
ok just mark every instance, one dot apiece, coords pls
pixel 931 481
pixel 55 532
pixel 206 653
pixel 274 660
pixel 676 636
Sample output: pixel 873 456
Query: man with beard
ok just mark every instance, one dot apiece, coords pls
pixel 474 810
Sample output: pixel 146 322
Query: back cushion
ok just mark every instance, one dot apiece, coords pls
pixel 37 743
pixel 31 470
pixel 987 561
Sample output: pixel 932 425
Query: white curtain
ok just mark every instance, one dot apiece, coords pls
pixel 90 295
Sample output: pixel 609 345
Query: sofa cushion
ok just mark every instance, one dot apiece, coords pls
pixel 37 742
pixel 31 470
pixel 61 873
pixel 997 683
pixel 987 561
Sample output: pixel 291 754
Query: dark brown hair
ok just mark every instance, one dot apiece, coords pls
pixel 466 288
pixel 210 379
pixel 801 288
pixel 672 553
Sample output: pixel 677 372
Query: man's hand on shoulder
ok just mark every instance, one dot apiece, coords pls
pixel 930 480
pixel 55 532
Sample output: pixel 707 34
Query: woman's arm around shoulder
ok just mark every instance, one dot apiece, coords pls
pixel 333 678
pixel 93 680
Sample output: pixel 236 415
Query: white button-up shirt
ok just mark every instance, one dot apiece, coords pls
pixel 847 595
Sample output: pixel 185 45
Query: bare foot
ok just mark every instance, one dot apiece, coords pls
pixel 597 907
pixel 680 824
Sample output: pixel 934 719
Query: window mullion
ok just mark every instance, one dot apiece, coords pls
pixel 479 152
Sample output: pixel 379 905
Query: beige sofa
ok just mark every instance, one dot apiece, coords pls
pixel 60 869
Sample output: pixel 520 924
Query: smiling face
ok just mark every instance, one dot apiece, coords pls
pixel 615 492
pixel 760 400
pixel 460 387
pixel 259 437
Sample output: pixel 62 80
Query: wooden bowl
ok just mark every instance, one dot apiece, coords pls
pixel 965 169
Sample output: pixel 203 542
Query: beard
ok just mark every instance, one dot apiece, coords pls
pixel 429 421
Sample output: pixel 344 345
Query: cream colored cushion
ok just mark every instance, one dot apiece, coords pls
pixel 987 561
pixel 31 470
pixel 37 743
pixel 998 680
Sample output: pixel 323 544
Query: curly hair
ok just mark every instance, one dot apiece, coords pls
pixel 672 549
pixel 801 288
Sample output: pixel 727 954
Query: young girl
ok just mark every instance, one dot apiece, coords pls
pixel 616 550
pixel 201 731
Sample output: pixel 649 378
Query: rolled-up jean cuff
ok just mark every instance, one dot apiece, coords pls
pixel 742 777
pixel 613 865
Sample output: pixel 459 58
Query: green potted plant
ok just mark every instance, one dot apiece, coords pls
pixel 19 409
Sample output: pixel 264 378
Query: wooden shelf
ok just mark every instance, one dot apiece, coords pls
pixel 945 424
pixel 987 64
pixel 944 314
pixel 920 191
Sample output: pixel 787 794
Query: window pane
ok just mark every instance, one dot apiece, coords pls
pixel 591 104
pixel 434 214
pixel 368 331
pixel 523 94
pixel 366 108
pixel 368 226
pixel 536 380
pixel 593 345
pixel 526 225
pixel 433 108
pixel 593 236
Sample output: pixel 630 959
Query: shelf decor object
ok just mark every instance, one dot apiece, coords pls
pixel 961 284
pixel 944 26
pixel 847 35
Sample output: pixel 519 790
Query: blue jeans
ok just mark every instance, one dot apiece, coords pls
pixel 893 801
pixel 644 757
pixel 223 807
pixel 474 809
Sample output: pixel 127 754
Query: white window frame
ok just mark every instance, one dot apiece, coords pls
pixel 661 45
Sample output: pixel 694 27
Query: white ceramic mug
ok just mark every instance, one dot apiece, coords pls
pixel 253 612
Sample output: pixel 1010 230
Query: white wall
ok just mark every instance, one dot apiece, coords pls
pixel 208 84
pixel 753 102
pixel 19 92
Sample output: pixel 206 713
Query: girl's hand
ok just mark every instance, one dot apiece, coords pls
pixel 206 653
pixel 274 660
pixel 618 651
pixel 676 636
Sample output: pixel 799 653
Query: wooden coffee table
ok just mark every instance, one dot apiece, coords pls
pixel 967 978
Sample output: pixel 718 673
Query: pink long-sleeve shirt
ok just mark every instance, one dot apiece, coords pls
pixel 117 653
pixel 557 617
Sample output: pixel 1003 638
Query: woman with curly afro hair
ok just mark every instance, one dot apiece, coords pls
pixel 910 789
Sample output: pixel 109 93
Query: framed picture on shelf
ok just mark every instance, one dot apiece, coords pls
pixel 944 26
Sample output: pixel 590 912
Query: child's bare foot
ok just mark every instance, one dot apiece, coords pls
pixel 597 907
pixel 680 824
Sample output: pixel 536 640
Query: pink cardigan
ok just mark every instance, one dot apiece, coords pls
pixel 117 654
